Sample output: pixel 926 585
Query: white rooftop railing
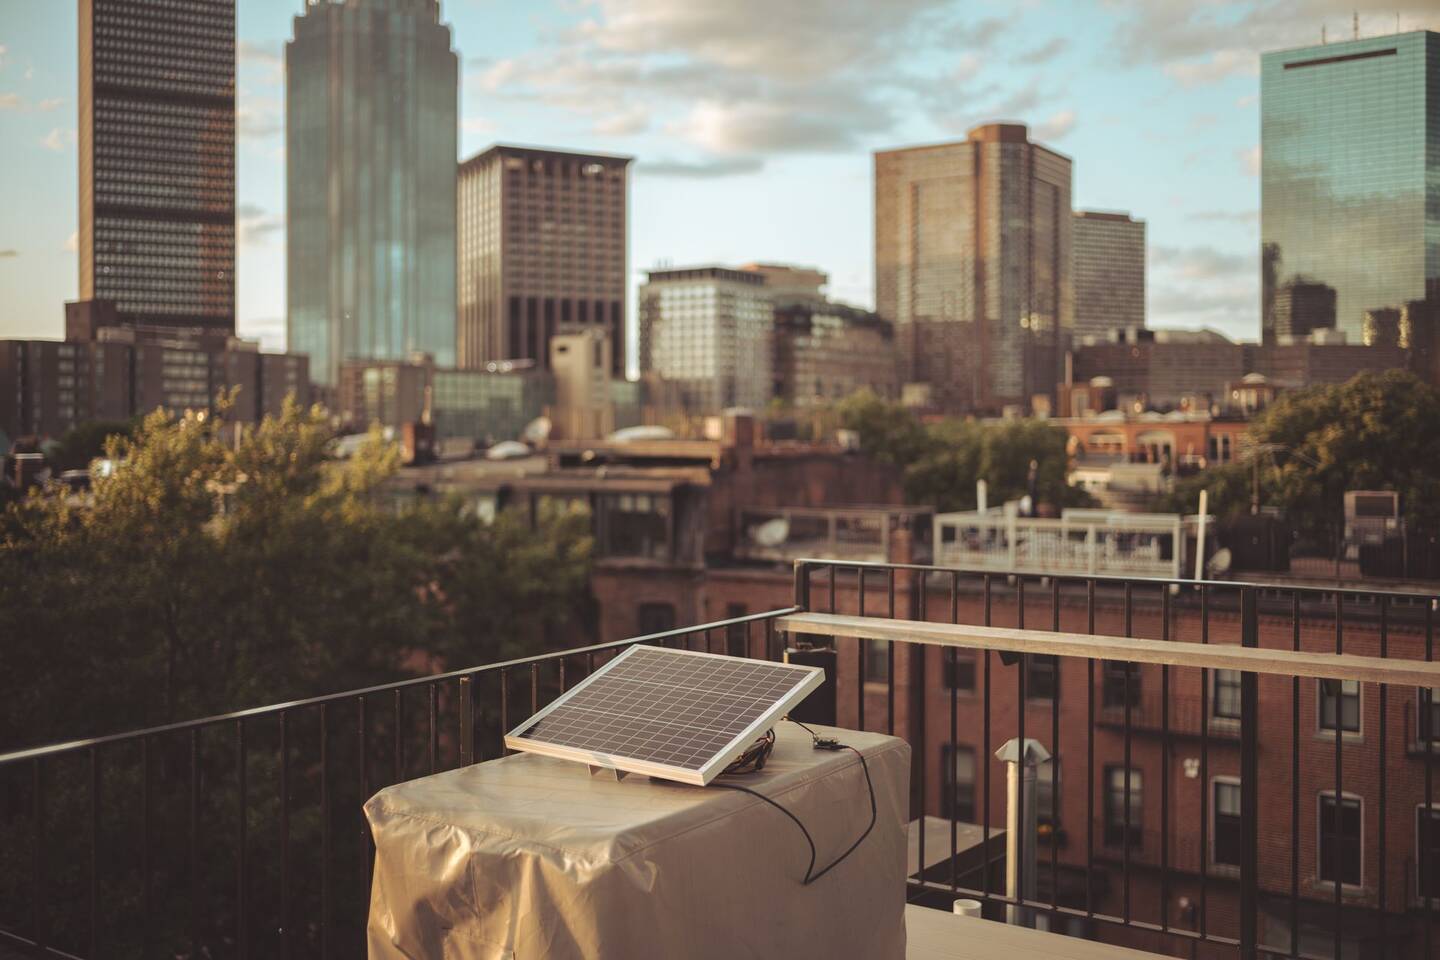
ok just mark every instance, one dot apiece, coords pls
pixel 1079 542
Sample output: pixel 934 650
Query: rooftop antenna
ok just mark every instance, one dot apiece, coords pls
pixel 1356 22
pixel 1322 34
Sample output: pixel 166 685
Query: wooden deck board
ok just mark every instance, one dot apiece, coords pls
pixel 935 935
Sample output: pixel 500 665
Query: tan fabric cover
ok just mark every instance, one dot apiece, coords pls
pixel 529 857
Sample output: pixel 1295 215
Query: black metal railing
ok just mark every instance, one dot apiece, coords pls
pixel 242 835
pixel 1285 619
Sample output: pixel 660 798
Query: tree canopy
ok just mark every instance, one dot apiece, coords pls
pixel 206 575
pixel 942 461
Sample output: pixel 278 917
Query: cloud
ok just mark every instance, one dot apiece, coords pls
pixel 265 60
pixel 72 242
pixel 254 227
pixel 9 254
pixel 57 139
pixel 700 169
pixel 477 125
pixel 627 122
pixel 1057 127
pixel 803 125
pixel 258 118
pixel 4 52
pixel 1247 101
pixel 16 102
pixel 1198 286
pixel 11 101
pixel 1200 263
pixel 1044 53
pixel 1250 160
pixel 1220 65
pixel 1226 216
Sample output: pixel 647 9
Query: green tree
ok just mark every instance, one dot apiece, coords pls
pixel 888 431
pixel 85 442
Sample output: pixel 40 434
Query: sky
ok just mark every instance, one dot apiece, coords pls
pixel 753 123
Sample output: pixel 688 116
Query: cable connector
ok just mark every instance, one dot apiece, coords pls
pixel 828 743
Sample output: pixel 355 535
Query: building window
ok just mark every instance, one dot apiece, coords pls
pixel 635 525
pixel 1427 852
pixel 1340 844
pixel 957 766
pixel 656 618
pixel 737 635
pixel 1427 703
pixel 1225 695
pixel 959 670
pixel 1340 705
pixel 877 661
pixel 1115 809
pixel 1115 690
pixel 1042 676
pixel 1225 822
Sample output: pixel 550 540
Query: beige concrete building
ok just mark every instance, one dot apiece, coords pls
pixel 972 265
pixel 542 249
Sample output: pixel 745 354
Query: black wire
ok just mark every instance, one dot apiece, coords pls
pixel 810 875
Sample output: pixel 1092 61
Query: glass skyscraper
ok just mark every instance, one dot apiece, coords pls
pixel 1350 178
pixel 1108 272
pixel 372 103
pixel 157 162
pixel 972 265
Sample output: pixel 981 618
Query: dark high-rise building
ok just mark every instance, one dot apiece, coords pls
pixel 157 162
pixel 372 101
pixel 972 265
pixel 1350 145
pixel 1109 271
pixel 1302 306
pixel 543 250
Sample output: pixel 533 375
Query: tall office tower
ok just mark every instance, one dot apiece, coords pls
pixel 1350 143
pixel 372 100
pixel 708 331
pixel 157 162
pixel 543 250
pixel 1108 272
pixel 972 265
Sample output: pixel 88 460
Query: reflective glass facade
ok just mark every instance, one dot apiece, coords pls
pixel 1109 272
pixel 157 161
pixel 972 265
pixel 371 142
pixel 1350 179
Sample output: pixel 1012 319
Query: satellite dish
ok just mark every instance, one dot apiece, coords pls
pixel 507 450
pixel 1220 562
pixel 537 431
pixel 771 533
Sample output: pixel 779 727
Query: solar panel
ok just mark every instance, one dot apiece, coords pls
pixel 674 714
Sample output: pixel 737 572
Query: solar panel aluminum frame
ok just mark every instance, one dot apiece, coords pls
pixel 706 773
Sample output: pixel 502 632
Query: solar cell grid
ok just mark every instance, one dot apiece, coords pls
pixel 654 708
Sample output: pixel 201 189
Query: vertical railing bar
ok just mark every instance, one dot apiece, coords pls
pixel 242 941
pixel 37 803
pixel 284 835
pixel 467 721
pixel 504 707
pixel 920 655
pixel 94 851
pixel 195 840
pixel 146 888
pixel 535 683
pixel 1090 756
pixel 832 587
pixel 560 671
pixel 1165 768
pixel 1295 782
pixel 890 656
pixel 1020 710
pixel 1203 914
pixel 954 729
pixel 432 721
pixel 860 646
pixel 985 827
pixel 1125 843
pixel 1384 652
pixel 1428 695
pixel 1055 758
pixel 1249 782
pixel 324 831
pixel 1339 776
pixel 399 718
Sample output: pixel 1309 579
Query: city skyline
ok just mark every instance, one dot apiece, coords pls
pixel 772 157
